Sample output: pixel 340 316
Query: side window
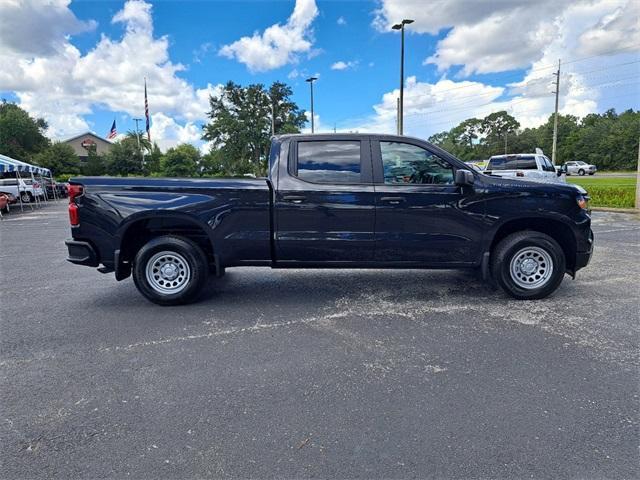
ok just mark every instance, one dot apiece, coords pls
pixel 547 166
pixel 334 161
pixel 404 163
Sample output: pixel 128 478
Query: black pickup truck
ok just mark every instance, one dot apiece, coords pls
pixel 332 201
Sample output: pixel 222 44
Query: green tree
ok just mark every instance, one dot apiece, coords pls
pixel 21 136
pixel 495 127
pixel 124 158
pixel 241 122
pixel 152 161
pixel 212 164
pixel 181 161
pixel 59 158
pixel 95 164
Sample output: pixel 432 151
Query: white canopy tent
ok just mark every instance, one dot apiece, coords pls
pixel 8 164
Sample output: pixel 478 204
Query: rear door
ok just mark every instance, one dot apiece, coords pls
pixel 325 201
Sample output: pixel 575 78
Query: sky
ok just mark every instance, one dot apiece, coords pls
pixel 82 64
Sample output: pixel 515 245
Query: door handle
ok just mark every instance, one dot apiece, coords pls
pixel 294 198
pixel 392 200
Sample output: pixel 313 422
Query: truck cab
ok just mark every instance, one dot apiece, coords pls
pixel 527 166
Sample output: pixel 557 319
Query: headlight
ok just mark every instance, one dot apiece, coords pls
pixel 583 202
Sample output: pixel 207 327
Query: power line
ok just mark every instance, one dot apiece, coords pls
pixel 449 120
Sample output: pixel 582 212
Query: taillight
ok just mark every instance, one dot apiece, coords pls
pixel 74 191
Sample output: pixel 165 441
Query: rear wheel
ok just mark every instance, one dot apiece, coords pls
pixel 170 270
pixel 26 197
pixel 528 265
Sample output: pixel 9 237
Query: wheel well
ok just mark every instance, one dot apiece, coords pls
pixel 144 230
pixel 557 230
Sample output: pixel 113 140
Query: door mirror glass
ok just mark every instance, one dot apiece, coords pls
pixel 464 177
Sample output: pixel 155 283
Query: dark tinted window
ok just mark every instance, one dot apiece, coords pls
pixel 547 166
pixel 334 161
pixel 405 163
pixel 522 162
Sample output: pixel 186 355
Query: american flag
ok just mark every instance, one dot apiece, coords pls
pixel 112 132
pixel 146 110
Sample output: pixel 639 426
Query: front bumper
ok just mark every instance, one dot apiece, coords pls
pixel 583 258
pixel 81 253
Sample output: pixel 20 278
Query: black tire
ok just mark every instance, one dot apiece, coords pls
pixel 26 197
pixel 189 261
pixel 581 172
pixel 517 245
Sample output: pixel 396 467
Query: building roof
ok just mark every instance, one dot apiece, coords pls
pixel 84 135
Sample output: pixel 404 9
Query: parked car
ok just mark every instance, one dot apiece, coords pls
pixel 476 166
pixel 528 166
pixel 22 187
pixel 11 199
pixel 579 168
pixel 60 188
pixel 4 203
pixel 339 201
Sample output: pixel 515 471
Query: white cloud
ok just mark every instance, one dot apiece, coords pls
pixel 38 27
pixel 341 21
pixel 202 51
pixel 486 37
pixel 168 133
pixel 340 65
pixel 278 45
pixel 63 86
pixel 619 30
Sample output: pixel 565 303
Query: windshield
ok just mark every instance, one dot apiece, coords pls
pixel 519 162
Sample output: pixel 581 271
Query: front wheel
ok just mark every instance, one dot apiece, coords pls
pixel 25 197
pixel 528 265
pixel 170 270
pixel 581 172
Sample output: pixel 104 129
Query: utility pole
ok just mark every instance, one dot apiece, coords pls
pixel 555 117
pixel 400 26
pixel 398 115
pixel 311 80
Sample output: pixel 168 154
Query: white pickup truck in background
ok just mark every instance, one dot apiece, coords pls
pixel 28 190
pixel 525 166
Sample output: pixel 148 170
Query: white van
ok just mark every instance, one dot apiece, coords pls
pixel 526 166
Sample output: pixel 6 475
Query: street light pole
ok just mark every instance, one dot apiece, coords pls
pixel 400 26
pixel 311 80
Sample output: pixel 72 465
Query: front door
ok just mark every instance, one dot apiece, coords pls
pixel 422 217
pixel 325 202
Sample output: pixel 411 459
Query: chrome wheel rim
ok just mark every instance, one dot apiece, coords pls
pixel 168 272
pixel 531 268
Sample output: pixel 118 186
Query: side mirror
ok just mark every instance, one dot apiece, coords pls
pixel 464 177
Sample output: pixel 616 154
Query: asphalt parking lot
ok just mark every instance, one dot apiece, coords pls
pixel 319 373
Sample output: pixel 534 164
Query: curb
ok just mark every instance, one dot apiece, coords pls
pixel 616 210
